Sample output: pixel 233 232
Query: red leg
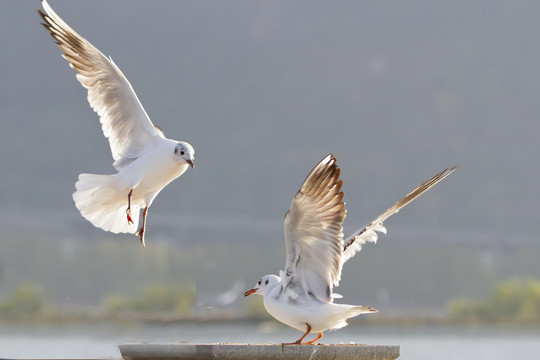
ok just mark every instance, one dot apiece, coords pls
pixel 299 341
pixel 312 341
pixel 140 233
pixel 128 210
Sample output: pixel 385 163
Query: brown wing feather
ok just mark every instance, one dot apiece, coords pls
pixel 313 232
pixel 360 237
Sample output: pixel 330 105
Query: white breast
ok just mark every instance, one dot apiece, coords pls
pixel 151 172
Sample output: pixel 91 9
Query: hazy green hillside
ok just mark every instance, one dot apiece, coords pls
pixel 401 274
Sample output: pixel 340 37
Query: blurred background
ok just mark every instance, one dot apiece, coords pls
pixel 263 90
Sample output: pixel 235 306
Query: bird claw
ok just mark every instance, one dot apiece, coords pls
pixel 140 235
pixel 128 213
pixel 299 341
pixel 291 343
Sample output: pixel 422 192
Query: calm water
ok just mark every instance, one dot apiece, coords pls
pixel 420 343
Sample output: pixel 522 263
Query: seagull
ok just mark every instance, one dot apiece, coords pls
pixel 301 296
pixel 146 161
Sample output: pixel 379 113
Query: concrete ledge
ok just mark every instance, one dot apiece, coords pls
pixel 257 351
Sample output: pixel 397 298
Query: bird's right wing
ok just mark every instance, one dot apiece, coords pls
pixel 123 119
pixel 353 243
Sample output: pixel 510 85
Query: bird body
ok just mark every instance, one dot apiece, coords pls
pixel 320 315
pixel 145 159
pixel 302 296
pixel 101 199
pixel 151 172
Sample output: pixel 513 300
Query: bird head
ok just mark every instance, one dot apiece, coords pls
pixel 184 153
pixel 264 283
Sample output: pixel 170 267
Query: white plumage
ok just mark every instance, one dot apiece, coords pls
pixel 301 296
pixel 145 159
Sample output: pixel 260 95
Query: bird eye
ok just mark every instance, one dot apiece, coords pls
pixel 259 282
pixel 182 152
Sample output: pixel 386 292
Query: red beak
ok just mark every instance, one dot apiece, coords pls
pixel 190 163
pixel 249 292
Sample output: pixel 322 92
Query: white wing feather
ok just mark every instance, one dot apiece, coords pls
pixel 313 233
pixel 123 119
pixel 353 243
pixel 315 249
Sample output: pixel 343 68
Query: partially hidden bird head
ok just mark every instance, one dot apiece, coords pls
pixel 264 283
pixel 184 153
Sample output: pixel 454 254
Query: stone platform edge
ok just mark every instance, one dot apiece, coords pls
pixel 225 351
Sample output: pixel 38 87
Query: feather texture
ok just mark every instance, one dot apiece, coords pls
pixel 315 249
pixel 313 232
pixel 123 119
pixel 368 233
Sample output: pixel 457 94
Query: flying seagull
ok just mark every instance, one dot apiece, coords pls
pixel 301 296
pixel 145 159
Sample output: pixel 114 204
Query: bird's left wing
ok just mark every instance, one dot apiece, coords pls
pixel 353 243
pixel 123 119
pixel 313 233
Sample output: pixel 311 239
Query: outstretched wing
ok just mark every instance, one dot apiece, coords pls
pixel 353 243
pixel 123 119
pixel 313 233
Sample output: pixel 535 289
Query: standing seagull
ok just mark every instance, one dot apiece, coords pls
pixel 301 296
pixel 145 159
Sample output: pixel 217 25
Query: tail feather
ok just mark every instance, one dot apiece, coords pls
pixel 344 312
pixel 363 309
pixel 102 203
